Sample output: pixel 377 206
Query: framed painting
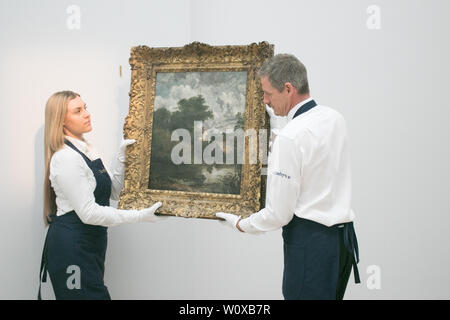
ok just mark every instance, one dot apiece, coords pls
pixel 199 121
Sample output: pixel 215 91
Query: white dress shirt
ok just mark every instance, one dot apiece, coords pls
pixel 74 184
pixel 308 172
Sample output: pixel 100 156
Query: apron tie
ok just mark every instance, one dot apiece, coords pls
pixel 43 270
pixel 351 244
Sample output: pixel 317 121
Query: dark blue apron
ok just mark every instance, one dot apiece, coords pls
pixel 318 259
pixel 74 252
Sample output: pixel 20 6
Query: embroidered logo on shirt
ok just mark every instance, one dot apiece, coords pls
pixel 283 175
pixel 103 171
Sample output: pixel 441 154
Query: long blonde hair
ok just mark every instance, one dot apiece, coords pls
pixel 55 112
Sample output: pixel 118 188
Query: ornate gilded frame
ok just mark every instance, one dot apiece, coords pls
pixel 145 62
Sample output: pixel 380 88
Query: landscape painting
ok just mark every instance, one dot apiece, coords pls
pixel 193 112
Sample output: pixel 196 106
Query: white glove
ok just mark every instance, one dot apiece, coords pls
pixel 119 168
pixel 148 214
pixel 121 156
pixel 276 122
pixel 232 220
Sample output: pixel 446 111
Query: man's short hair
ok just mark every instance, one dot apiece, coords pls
pixel 283 68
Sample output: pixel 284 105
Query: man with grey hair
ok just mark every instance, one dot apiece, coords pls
pixel 308 187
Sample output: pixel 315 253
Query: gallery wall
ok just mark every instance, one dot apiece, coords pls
pixel 382 64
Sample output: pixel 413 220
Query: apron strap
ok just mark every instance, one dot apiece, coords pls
pixel 304 108
pixel 70 144
pixel 351 243
pixel 43 270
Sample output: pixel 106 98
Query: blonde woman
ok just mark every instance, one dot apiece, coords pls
pixel 77 190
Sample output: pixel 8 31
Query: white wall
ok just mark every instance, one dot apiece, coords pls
pixel 390 84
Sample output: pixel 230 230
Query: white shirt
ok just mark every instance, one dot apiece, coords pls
pixel 308 172
pixel 74 184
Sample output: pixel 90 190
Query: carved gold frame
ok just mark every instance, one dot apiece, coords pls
pixel 194 57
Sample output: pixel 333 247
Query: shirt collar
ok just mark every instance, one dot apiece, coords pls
pixel 83 146
pixel 292 112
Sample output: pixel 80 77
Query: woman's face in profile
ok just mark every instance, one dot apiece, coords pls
pixel 77 120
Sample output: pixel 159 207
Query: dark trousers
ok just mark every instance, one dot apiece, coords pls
pixel 318 260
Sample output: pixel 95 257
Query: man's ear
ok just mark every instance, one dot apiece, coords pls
pixel 288 87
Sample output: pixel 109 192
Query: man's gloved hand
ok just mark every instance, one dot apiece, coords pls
pixel 232 221
pixel 148 214
pixel 123 148
pixel 276 122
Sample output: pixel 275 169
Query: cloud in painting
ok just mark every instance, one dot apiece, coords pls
pixel 224 93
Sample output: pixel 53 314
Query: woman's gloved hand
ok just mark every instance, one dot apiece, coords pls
pixel 148 214
pixel 123 148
